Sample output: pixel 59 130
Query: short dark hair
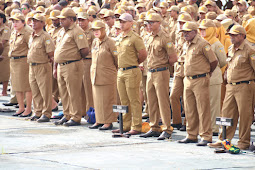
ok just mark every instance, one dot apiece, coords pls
pixel 63 3
pixel 3 16
pixel 26 4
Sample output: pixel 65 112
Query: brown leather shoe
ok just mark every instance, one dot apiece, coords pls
pixel 215 145
pixel 133 132
pixel 242 147
pixel 117 131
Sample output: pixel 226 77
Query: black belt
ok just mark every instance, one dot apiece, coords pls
pixel 181 63
pixel 18 57
pixel 127 68
pixel 87 58
pixel 158 69
pixel 197 76
pixel 240 82
pixel 34 64
pixel 68 62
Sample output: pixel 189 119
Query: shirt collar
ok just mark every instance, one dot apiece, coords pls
pixel 37 34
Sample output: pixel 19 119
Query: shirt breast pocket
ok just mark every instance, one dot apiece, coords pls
pixel 157 49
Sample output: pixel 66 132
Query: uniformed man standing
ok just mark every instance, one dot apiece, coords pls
pixel 87 86
pixel 71 47
pixel 239 99
pixel 131 52
pixel 40 53
pixel 161 55
pixel 200 62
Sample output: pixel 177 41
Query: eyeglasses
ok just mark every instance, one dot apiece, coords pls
pixel 151 22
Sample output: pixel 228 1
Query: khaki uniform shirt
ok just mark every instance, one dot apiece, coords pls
pixel 136 27
pixel 53 31
pixel 159 49
pixel 198 57
pixel 39 46
pixel 127 48
pixel 19 42
pixel 241 63
pixel 90 37
pixel 5 34
pixel 69 43
pixel 104 62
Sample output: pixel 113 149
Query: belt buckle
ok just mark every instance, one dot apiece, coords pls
pixel 191 77
pixel 234 84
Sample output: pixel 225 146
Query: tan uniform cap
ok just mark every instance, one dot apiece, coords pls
pixel 246 17
pixel 206 23
pixel 117 24
pixel 98 24
pixel 18 17
pixel 185 9
pixel 67 12
pixel 119 11
pixel 79 9
pixel 189 26
pixel 130 8
pixel 237 29
pixel 226 23
pixel 211 15
pixel 174 8
pixel 94 8
pixel 39 17
pixel 40 3
pixel 74 4
pixel 250 1
pixel 91 12
pixel 30 15
pixel 209 2
pixel 40 9
pixel 202 9
pixel 184 17
pixel 14 11
pixel 170 1
pixel 243 2
pixel 217 23
pixel 82 15
pixel 141 17
pixel 8 10
pixel 54 14
pixel 221 17
pixel 163 5
pixel 123 7
pixel 156 9
pixel 153 17
pixel 102 11
pixel 15 6
pixel 228 12
pixel 6 1
pixel 140 5
pixel 126 17
pixel 192 8
pixel 108 13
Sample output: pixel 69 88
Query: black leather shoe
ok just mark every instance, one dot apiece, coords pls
pixel 61 121
pixel 187 140
pixel 71 123
pixel 18 114
pixel 30 114
pixel 10 104
pixel 177 126
pixel 55 109
pixel 183 128
pixel 17 106
pixel 34 118
pixel 150 134
pixel 203 143
pixel 164 135
pixel 43 118
pixel 215 133
pixel 95 126
pixel 106 128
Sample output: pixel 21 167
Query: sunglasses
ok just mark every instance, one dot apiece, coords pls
pixel 23 9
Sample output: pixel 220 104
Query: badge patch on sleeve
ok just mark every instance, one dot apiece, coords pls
pixel 5 31
pixel 47 42
pixel 207 48
pixel 81 37
pixel 115 52
pixel 169 45
pixel 253 56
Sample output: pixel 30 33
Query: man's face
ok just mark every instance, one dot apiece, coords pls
pixel 201 16
pixel 163 10
pixel 125 25
pixel 241 7
pixel 189 35
pixel 181 24
pixel 202 32
pixel 173 13
pixel 210 8
pixel 53 2
pixel 153 25
pixel 236 38
pixel 109 21
pixel 56 22
pixel 65 22
pixel 83 23
pixel 36 24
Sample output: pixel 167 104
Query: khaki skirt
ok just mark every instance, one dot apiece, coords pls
pixel 20 75
pixel 104 97
pixel 5 69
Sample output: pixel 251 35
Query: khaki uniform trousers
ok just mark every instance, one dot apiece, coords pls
pixel 128 84
pixel 158 100
pixel 238 103
pixel 197 108
pixel 70 84
pixel 40 79
pixel 87 96
pixel 55 91
pixel 175 95
pixel 215 101
pixel 144 80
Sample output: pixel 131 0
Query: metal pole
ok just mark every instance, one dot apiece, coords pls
pixel 121 123
pixel 224 133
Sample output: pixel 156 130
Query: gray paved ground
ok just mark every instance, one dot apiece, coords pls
pixel 29 145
